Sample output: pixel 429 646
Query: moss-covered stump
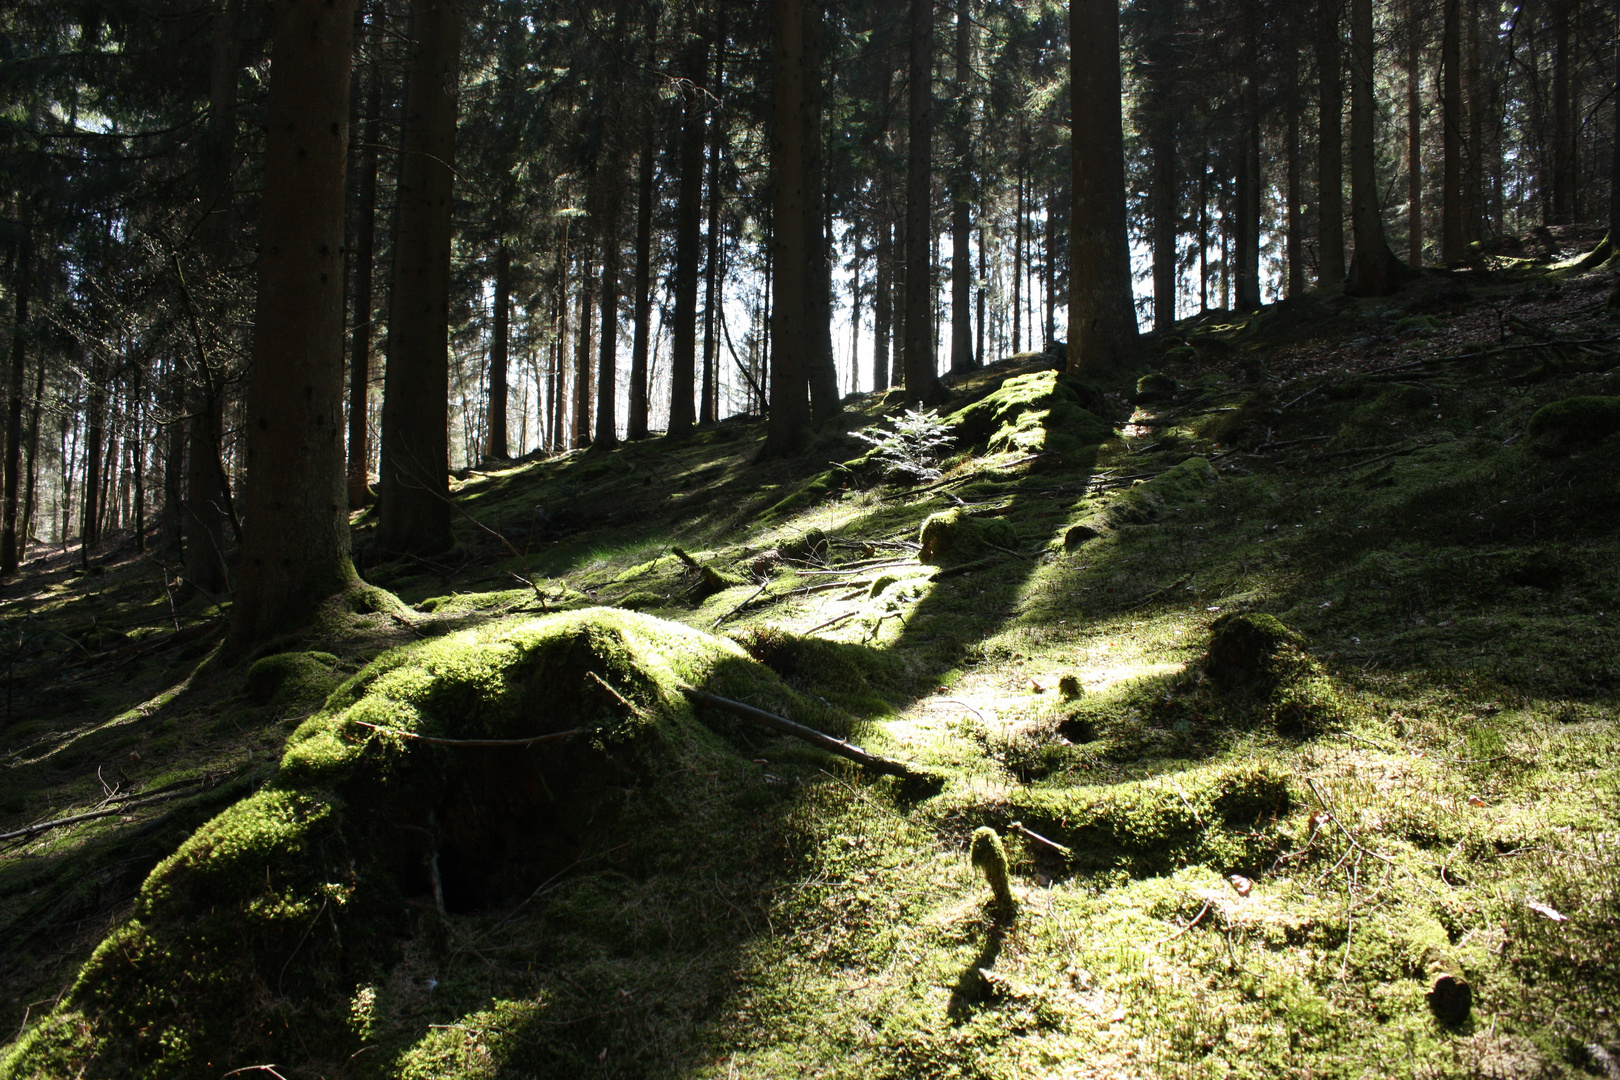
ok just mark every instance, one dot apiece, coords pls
pixel 1032 413
pixel 1575 423
pixel 1246 648
pixel 1155 386
pixel 292 678
pixel 953 536
pixel 286 912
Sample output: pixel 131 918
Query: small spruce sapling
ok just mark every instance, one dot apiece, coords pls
pixel 913 449
pixel 988 855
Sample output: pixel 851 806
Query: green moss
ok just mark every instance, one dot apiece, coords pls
pixel 317 863
pixel 1031 413
pixel 954 536
pixel 1576 422
pixel 1155 386
pixel 1146 500
pixel 292 678
pixel 987 854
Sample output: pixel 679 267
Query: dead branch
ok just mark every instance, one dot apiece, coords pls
pixel 491 744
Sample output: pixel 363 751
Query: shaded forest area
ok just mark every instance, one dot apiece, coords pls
pixel 932 539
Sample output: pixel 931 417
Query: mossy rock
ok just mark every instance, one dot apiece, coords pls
pixel 953 536
pixel 1246 647
pixel 276 913
pixel 292 678
pixel 1576 422
pixel 1155 386
pixel 813 544
pixel 1029 413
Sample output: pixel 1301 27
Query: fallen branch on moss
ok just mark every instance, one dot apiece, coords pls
pixel 810 735
pixel 474 743
pixel 129 802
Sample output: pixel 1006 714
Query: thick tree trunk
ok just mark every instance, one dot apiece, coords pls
pixel 295 551
pixel 607 363
pixel 1474 209
pixel 95 434
pixel 1374 269
pixel 1453 232
pixel 1414 135
pixel 414 516
pixel 708 411
pixel 559 349
pixel 1564 125
pixel 1295 181
pixel 922 383
pixel 821 372
pixel 688 241
pixel 790 401
pixel 642 302
pixel 1103 341
pixel 882 301
pixel 1330 150
pixel 855 314
pixel 1162 153
pixel 21 283
pixel 1248 177
pixel 962 358
pixel 1614 147
pixel 499 333
pixel 582 352
pixel 365 259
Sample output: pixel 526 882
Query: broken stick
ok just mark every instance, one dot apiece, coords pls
pixel 810 735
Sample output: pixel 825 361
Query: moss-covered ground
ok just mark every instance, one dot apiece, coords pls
pixel 1287 682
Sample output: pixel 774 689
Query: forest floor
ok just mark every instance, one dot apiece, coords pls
pixel 1377 835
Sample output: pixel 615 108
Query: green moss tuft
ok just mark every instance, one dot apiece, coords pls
pixel 1575 422
pixel 292 678
pixel 990 858
pixel 954 536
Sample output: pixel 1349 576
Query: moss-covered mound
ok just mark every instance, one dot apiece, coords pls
pixel 955 536
pixel 296 677
pixel 278 916
pixel 1249 647
pixel 1576 421
pixel 1032 413
pixel 1214 815
pixel 1142 503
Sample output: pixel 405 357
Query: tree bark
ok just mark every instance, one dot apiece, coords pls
pixel 296 547
pixel 1295 181
pixel 33 460
pixel 708 411
pixel 607 364
pixel 1453 234
pixel 688 222
pixel 365 259
pixel 922 386
pixel 414 516
pixel 1414 135
pixel 821 372
pixel 1103 341
pixel 962 358
pixel 499 333
pixel 882 299
pixel 636 422
pixel 94 441
pixel 582 351
pixel 1248 177
pixel 1330 151
pixel 1162 153
pixel 789 424
pixel 1374 269
pixel 1564 125
pixel 1473 200
pixel 21 283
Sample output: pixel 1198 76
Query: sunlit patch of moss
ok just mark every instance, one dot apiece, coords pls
pixel 299 678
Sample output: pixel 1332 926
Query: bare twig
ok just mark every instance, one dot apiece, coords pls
pixel 1201 913
pixel 809 735
pixel 129 802
pixel 716 624
pixel 475 743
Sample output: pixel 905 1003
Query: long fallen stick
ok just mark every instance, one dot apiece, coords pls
pixel 480 743
pixel 122 806
pixel 810 735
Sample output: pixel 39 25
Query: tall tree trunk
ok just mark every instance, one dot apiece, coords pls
pixel 984 288
pixel 94 440
pixel 922 380
pixel 414 516
pixel 1330 151
pixel 1474 210
pixel 688 239
pixel 1564 122
pixel 1453 232
pixel 559 347
pixel 499 333
pixel 1414 134
pixel 582 351
pixel 1374 269
pixel 1248 177
pixel 1103 341
pixel 962 358
pixel 365 260
pixel 295 552
pixel 33 460
pixel 21 283
pixel 1049 265
pixel 642 302
pixel 1614 146
pixel 789 424
pixel 708 410
pixel 855 314
pixel 607 364
pixel 1162 153
pixel 1203 231
pixel 1020 217
pixel 882 299
pixel 1295 180
pixel 821 372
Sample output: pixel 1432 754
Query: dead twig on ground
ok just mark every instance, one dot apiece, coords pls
pixel 473 743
